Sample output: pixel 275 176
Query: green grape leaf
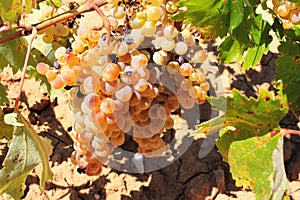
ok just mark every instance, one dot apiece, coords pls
pixel 288 68
pixel 230 50
pixel 246 34
pixel 253 56
pixel 236 14
pixel 42 52
pixel 247 142
pixel 206 15
pixel 6 130
pixel 14 53
pixel 10 10
pixel 3 95
pixel 26 150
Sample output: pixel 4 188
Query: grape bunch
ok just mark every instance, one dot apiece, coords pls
pixel 131 87
pixel 55 32
pixel 287 10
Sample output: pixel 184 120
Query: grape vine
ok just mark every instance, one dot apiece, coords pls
pixel 132 68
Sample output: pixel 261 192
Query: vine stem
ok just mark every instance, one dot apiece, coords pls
pixel 285 131
pixel 88 6
pixel 29 47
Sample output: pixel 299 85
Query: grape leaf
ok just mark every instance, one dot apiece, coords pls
pixel 206 15
pixel 246 141
pixel 246 33
pixel 10 10
pixel 230 50
pixel 14 53
pixel 6 130
pixel 288 68
pixel 42 52
pixel 236 14
pixel 26 150
pixel 3 95
pixel 253 56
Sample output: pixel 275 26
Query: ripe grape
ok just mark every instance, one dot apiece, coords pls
pixel 111 72
pixel 121 48
pixel 68 75
pixel 118 12
pixel 124 94
pixel 92 100
pixel 57 82
pixel 154 13
pixel 61 30
pixel 42 68
pixel 180 48
pixel 295 16
pixel 60 53
pixel 168 44
pixel 170 32
pixel 149 28
pixel 139 61
pixel 94 36
pixel 90 85
pixel 108 88
pixel 108 106
pixel 186 69
pixel 83 31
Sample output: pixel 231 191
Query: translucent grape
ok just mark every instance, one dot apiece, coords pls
pixel 130 75
pixel 57 82
pixel 137 23
pixel 108 106
pixel 83 31
pixel 42 68
pixel 60 53
pixel 51 75
pixel 180 48
pixel 90 85
pixel 170 32
pixel 111 72
pixel 68 75
pixel 173 67
pixel 121 49
pixel 149 28
pixel 108 88
pixel 170 7
pixel 186 69
pixel 118 141
pixel 118 12
pixel 92 100
pixel 61 30
pixel 77 46
pixel 135 98
pixel 94 36
pixel 185 84
pixel 139 61
pixel 141 86
pixel 295 16
pixel 124 94
pixel 154 13
pixel 199 57
pixel 168 44
pixel 160 57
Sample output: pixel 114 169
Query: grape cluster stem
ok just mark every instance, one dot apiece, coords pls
pixel 29 47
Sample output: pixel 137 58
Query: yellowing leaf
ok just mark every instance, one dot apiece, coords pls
pixel 247 144
pixel 6 130
pixel 26 150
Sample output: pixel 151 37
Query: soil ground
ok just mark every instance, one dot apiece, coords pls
pixel 187 178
